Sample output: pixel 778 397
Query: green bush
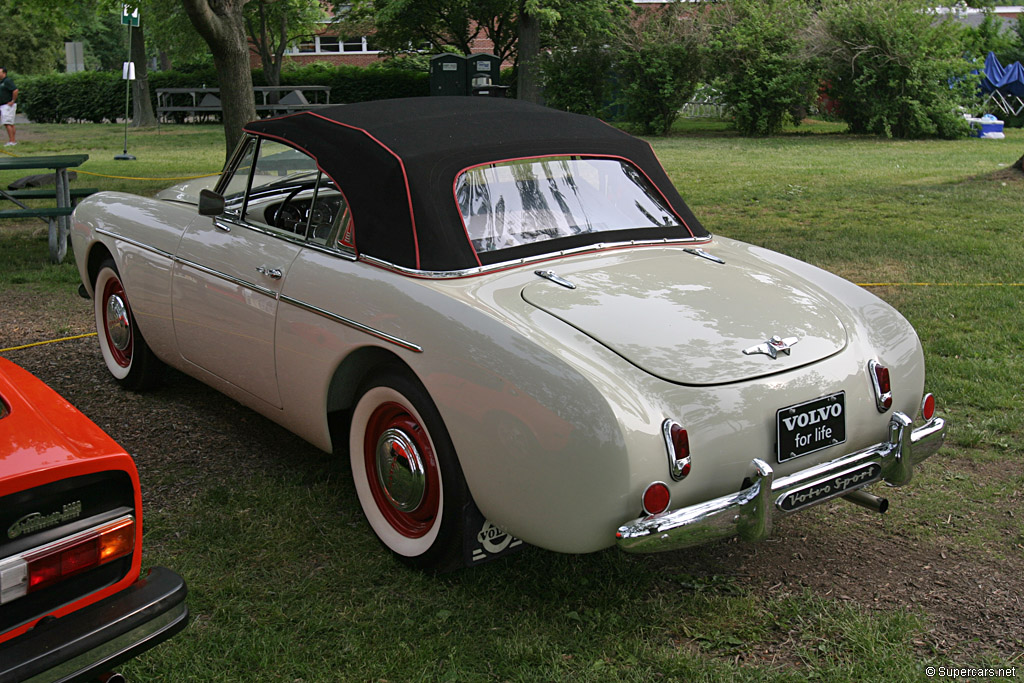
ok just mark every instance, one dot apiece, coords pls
pixel 577 80
pixel 764 72
pixel 90 96
pixel 96 96
pixel 894 71
pixel 658 66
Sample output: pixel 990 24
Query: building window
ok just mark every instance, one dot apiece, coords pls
pixel 334 45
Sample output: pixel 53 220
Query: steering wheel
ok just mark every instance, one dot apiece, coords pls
pixel 283 220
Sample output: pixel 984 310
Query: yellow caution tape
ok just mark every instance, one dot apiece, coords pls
pixel 124 177
pixel 940 284
pixel 50 341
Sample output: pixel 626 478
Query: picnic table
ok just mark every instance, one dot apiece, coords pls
pixel 269 99
pixel 58 216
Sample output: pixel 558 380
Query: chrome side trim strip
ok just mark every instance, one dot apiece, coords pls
pixel 135 243
pixel 398 341
pixel 228 278
pixel 479 270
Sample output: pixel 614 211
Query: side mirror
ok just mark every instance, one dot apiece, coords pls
pixel 210 203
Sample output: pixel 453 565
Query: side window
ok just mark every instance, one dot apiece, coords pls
pixel 234 189
pixel 287 193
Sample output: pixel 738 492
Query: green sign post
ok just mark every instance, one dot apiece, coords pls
pixel 130 18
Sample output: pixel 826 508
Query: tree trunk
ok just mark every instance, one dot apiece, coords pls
pixel 222 26
pixel 528 83
pixel 142 105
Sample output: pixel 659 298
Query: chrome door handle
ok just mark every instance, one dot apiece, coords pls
pixel 274 273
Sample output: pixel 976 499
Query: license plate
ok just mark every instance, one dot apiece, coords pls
pixel 811 426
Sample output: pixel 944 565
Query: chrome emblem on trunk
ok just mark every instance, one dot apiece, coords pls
pixel 773 347
pixel 36 521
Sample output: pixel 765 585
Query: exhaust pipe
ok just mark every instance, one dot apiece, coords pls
pixel 868 500
pixel 111 677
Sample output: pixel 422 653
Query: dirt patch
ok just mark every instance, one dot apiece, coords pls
pixel 187 438
pixel 1007 175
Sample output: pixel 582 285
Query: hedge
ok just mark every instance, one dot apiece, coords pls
pixel 95 96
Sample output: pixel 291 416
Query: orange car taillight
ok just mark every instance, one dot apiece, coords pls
pixel 677 441
pixel 54 562
pixel 880 382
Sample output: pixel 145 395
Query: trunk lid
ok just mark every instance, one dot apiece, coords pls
pixel 688 319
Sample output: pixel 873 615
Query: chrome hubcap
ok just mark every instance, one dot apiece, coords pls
pixel 118 328
pixel 400 470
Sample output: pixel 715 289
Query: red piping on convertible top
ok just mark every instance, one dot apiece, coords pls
pixel 401 164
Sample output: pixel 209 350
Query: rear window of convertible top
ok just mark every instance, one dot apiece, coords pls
pixel 523 201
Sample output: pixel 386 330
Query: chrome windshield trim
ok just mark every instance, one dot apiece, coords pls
pixel 398 341
pixel 504 265
pixel 228 278
pixel 134 243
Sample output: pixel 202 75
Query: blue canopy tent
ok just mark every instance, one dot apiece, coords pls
pixel 1004 84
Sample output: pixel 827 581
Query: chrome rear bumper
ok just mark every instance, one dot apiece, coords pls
pixel 749 513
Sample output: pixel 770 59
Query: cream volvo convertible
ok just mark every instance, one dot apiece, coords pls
pixel 517 324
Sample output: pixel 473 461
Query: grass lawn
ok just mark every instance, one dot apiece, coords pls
pixel 287 582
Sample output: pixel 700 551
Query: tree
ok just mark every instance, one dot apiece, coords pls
pixel 32 36
pixel 529 21
pixel 221 23
pixel 764 72
pixel 102 35
pixel 273 25
pixel 172 36
pixel 659 64
pixel 893 70
pixel 401 25
pixel 518 29
pixel 142 105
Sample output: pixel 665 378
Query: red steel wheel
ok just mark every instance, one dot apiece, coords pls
pixel 406 474
pixel 402 470
pixel 125 352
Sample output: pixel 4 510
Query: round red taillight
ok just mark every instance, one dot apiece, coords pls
pixel 928 407
pixel 656 498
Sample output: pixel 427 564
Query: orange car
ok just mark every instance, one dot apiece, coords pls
pixel 73 602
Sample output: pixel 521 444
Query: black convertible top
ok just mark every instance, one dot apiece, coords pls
pixel 396 162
